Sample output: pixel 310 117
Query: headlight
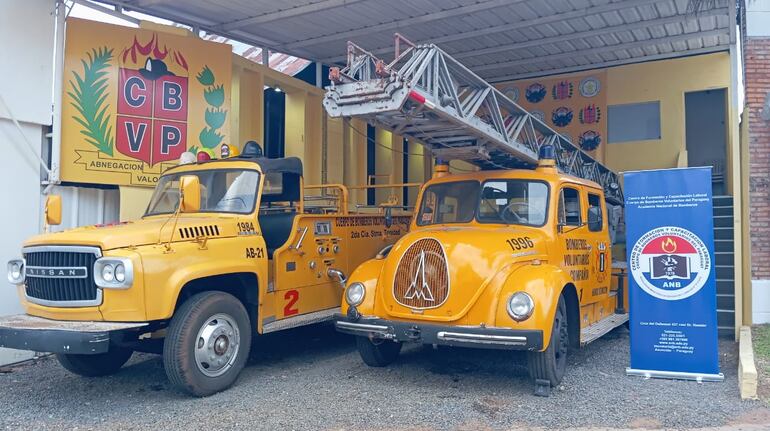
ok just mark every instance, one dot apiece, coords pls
pixel 114 272
pixel 354 294
pixel 520 306
pixel 16 271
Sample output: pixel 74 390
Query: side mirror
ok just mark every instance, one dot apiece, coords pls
pixel 189 194
pixel 53 210
pixel 595 219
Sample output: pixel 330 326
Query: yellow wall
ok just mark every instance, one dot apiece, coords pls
pixel 666 81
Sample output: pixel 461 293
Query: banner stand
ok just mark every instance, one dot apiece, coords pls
pixel 676 375
pixel 672 274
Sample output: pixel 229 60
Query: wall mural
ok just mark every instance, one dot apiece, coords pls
pixel 573 105
pixel 135 99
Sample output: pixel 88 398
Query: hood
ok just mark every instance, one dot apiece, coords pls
pixel 141 232
pixel 439 274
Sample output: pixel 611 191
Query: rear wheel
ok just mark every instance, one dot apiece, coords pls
pixel 102 364
pixel 550 364
pixel 207 343
pixel 378 352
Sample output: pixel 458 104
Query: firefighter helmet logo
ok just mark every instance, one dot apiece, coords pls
pixel 670 263
pixel 152 103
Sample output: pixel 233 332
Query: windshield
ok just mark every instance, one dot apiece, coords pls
pixel 497 201
pixel 222 190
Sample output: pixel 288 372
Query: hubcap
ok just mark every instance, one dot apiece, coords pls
pixel 217 345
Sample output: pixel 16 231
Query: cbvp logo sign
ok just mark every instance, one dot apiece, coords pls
pixel 670 263
pixel 152 113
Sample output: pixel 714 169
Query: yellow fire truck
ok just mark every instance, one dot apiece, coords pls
pixel 226 248
pixel 516 255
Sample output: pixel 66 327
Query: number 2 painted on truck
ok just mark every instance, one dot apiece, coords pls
pixel 292 296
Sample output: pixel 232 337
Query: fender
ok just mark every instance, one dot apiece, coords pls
pixel 367 273
pixel 544 283
pixel 220 260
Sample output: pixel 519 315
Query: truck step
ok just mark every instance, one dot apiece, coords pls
pixel 592 332
pixel 302 320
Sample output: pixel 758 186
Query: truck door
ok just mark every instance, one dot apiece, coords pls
pixel 598 235
pixel 574 239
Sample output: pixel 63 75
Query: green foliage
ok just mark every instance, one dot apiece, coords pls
pixel 215 118
pixel 206 76
pixel 193 149
pixel 215 115
pixel 89 95
pixel 210 138
pixel 762 341
pixel 215 96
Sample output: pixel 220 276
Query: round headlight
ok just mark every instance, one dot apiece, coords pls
pixel 15 270
pixel 120 273
pixel 108 272
pixel 520 306
pixel 354 294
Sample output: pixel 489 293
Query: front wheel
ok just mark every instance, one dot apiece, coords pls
pixel 102 364
pixel 377 353
pixel 549 365
pixel 207 343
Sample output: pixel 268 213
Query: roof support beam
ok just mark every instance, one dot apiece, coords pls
pixel 287 13
pixel 675 54
pixel 398 24
pixel 585 34
pixel 600 50
pixel 518 25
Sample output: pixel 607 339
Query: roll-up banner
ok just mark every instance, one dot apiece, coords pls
pixel 670 248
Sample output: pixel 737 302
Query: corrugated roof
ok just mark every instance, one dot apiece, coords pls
pixel 285 63
pixel 499 39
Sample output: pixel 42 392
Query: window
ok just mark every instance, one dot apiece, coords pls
pixel 453 202
pixel 222 190
pixel 595 201
pixel 514 202
pixel 569 207
pixel 633 122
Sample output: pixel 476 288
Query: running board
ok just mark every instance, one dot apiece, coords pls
pixel 601 327
pixel 305 319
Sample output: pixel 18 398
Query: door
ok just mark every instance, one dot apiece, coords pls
pixel 706 132
pixel 598 239
pixel 576 246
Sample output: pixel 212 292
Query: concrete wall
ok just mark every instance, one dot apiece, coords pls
pixel 666 81
pixel 26 93
pixel 756 60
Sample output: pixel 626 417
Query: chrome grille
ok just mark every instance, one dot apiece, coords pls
pixel 55 276
pixel 422 275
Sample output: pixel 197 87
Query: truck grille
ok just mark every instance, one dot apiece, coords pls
pixel 61 276
pixel 422 275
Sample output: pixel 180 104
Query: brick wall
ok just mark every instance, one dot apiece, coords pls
pixel 756 55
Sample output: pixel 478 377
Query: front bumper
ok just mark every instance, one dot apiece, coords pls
pixel 457 336
pixel 25 332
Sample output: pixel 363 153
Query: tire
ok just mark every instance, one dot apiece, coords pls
pixel 99 365
pixel 207 343
pixel 379 353
pixel 550 364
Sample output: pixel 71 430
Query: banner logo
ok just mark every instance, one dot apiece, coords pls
pixel 670 263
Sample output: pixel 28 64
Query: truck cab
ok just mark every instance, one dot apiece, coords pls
pixel 227 249
pixel 509 259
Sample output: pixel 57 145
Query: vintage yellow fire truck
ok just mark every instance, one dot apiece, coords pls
pixel 516 255
pixel 227 249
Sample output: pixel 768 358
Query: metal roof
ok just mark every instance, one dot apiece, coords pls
pixel 498 39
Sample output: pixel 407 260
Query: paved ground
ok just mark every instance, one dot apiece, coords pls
pixel 313 379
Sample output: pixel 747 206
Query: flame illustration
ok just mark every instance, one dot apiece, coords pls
pixel 668 245
pixel 152 48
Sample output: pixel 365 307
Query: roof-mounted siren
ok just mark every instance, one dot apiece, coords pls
pixel 546 159
pixel 251 150
pixel 441 168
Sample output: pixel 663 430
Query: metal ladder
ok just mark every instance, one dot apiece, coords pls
pixel 426 95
